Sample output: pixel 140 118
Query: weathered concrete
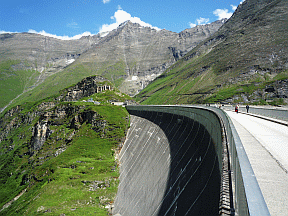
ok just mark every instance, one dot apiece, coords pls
pixel 169 166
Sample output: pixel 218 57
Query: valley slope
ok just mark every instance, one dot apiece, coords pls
pixel 246 61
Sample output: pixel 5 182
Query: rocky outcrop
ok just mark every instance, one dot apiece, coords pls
pixel 270 93
pixel 72 117
pixel 41 140
pixel 281 88
pixel 85 88
pixel 41 132
pixel 50 114
pixel 97 122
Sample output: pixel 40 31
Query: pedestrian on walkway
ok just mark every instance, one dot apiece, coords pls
pixel 247 108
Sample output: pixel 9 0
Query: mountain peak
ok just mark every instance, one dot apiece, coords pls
pixel 127 22
pixel 131 24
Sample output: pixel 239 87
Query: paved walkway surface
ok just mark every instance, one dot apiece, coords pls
pixel 266 145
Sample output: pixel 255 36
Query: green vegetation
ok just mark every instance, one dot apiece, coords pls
pixel 174 88
pixel 230 91
pixel 107 97
pixel 69 76
pixel 74 172
pixel 14 81
pixel 179 85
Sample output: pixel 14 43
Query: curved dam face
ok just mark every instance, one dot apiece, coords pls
pixel 169 165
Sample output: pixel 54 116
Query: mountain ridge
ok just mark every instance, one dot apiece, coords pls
pixel 239 63
pixel 130 56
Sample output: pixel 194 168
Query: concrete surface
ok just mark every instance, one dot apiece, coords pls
pixel 168 167
pixel 266 144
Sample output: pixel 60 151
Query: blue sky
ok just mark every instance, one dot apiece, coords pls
pixel 67 19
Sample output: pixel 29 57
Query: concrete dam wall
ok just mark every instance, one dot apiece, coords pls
pixel 171 163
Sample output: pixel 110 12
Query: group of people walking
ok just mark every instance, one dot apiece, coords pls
pixel 237 108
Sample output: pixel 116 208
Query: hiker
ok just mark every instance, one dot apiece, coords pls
pixel 236 108
pixel 247 108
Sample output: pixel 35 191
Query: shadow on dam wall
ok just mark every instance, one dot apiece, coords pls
pixel 168 166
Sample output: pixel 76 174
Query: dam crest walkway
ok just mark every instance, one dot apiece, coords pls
pixel 266 144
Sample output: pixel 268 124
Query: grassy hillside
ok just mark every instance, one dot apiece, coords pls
pixel 14 81
pixel 59 157
pixel 68 77
pixel 236 64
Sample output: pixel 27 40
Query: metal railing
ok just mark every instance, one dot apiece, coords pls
pixel 248 198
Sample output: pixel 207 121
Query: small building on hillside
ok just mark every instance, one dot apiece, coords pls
pixel 118 103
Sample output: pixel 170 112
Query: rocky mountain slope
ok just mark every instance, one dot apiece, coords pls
pixel 130 56
pixel 141 54
pixel 246 61
pixel 57 155
pixel 44 54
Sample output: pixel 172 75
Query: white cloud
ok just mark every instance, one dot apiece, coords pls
pixel 121 16
pixel 222 13
pixel 43 33
pixel 233 7
pixel 106 1
pixel 200 21
pixel 192 25
pixel 7 32
pixel 60 37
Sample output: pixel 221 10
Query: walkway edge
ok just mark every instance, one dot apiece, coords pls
pixel 267 118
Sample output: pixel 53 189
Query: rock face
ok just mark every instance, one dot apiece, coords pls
pixel 45 54
pixel 143 53
pixel 85 88
pixel 75 117
pixel 41 132
pixel 131 55
pixel 47 115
